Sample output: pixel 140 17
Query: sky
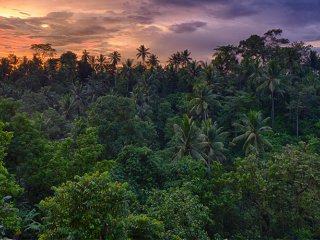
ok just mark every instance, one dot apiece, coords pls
pixel 165 26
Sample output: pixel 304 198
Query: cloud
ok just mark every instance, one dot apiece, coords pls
pixel 59 15
pixel 141 19
pixel 24 13
pixel 234 10
pixel 187 27
pixel 5 26
pixel 162 25
pixel 187 3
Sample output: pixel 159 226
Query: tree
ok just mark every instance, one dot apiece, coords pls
pixel 142 227
pixel 292 186
pixel 127 72
pixel 118 126
pixel 138 166
pixel 61 161
pixel 43 50
pixel 296 106
pixel 69 65
pixel 153 61
pixel 214 139
pixel 194 68
pixel 253 48
pixel 5 69
pixel 252 126
pixel 272 80
pixel 101 63
pixel 8 108
pixel 279 194
pixel 85 56
pixel 26 144
pixel 114 58
pixel 10 222
pixel 225 59
pixel 187 139
pixel 183 215
pixel 185 57
pixel 204 101
pixel 91 207
pixel 175 59
pixel 143 53
pixel 84 68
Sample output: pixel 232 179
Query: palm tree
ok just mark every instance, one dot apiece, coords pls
pixel 101 63
pixel 85 56
pixel 187 139
pixel 143 53
pixel 194 68
pixel 213 139
pixel 114 58
pixel 152 61
pixel 79 93
pixel 67 103
pixel 92 62
pixel 127 73
pixel 175 59
pixel 204 100
pixel 272 82
pixel 252 126
pixel 128 64
pixel 185 57
pixel 297 102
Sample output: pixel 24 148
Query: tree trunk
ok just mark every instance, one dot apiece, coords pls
pixel 272 109
pixel 104 232
pixel 297 123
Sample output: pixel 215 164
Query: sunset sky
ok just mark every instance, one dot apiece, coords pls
pixel 166 26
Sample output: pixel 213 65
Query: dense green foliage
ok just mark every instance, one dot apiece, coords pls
pixel 96 148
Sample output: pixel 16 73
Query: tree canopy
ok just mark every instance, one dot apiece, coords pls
pixel 96 146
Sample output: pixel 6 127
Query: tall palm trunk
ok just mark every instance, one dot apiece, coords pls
pixel 297 123
pixel 272 109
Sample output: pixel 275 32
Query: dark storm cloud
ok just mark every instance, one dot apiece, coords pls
pixel 234 10
pixel 299 12
pixel 288 12
pixel 187 27
pixel 224 9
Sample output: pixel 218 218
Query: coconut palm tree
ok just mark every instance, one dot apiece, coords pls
pixel 204 101
pixel 188 139
pixel 194 68
pixel 85 56
pixel 67 103
pixel 127 73
pixel 114 58
pixel 175 59
pixel 101 63
pixel 252 126
pixel 213 138
pixel 153 61
pixel 143 53
pixel 185 57
pixel 272 80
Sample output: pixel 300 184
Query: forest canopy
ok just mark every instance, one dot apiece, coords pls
pixel 101 147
